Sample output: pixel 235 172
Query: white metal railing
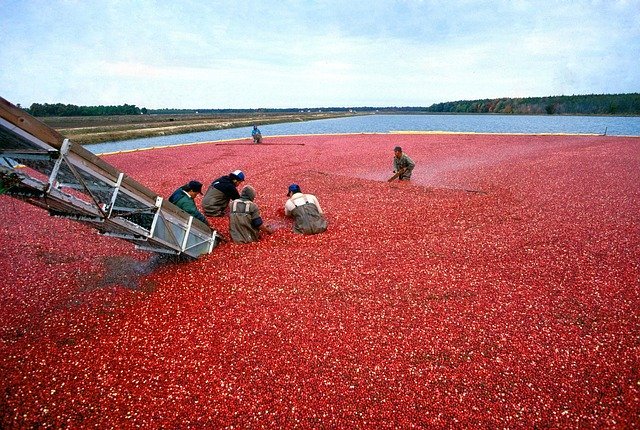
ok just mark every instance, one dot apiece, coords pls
pixel 43 168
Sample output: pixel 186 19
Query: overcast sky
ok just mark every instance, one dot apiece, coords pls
pixel 323 53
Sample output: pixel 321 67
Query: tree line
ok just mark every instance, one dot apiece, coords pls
pixel 59 109
pixel 591 104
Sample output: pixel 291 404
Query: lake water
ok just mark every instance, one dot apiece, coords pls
pixel 616 126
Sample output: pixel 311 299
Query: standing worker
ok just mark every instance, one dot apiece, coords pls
pixel 220 192
pixel 245 222
pixel 305 210
pixel 184 197
pixel 257 136
pixel 402 165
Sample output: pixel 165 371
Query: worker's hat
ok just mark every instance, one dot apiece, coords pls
pixel 293 188
pixel 237 174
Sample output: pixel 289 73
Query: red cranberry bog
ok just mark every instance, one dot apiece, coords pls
pixel 499 288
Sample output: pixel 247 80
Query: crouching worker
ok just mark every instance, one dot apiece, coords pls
pixel 184 198
pixel 257 136
pixel 245 222
pixel 305 210
pixel 221 192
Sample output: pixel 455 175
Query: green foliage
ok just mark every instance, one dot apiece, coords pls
pixel 59 109
pixel 591 104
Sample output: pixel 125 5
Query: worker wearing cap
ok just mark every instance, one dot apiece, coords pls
pixel 221 192
pixel 184 198
pixel 402 164
pixel 245 222
pixel 305 211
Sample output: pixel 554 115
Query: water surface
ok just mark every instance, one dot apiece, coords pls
pixel 487 123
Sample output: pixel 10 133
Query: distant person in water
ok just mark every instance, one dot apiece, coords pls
pixel 221 192
pixel 257 136
pixel 402 164
pixel 184 197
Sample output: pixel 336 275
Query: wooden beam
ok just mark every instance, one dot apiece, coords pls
pixel 31 125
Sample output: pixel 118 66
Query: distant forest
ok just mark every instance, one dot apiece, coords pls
pixel 592 104
pixel 59 109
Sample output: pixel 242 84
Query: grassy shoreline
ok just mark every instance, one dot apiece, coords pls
pixel 88 130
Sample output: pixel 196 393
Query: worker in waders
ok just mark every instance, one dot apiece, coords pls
pixel 221 192
pixel 245 223
pixel 402 164
pixel 257 136
pixel 305 211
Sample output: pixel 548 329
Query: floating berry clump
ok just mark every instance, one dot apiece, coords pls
pixel 500 288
